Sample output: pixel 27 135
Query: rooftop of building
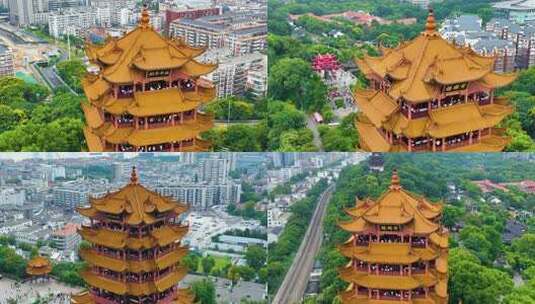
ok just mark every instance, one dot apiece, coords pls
pixel 520 5
pixel 3 48
pixel 67 230
pixel 468 23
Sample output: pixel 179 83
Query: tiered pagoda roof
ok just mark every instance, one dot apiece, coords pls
pixel 421 75
pixel 38 266
pixel 143 79
pixel 374 227
pixel 135 248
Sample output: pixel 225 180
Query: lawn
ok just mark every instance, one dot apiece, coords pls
pixel 220 263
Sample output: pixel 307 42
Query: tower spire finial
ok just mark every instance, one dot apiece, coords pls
pixel 133 176
pixel 431 24
pixel 395 183
pixel 144 22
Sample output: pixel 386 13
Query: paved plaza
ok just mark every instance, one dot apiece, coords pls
pixel 58 293
pixel 28 292
pixel 243 290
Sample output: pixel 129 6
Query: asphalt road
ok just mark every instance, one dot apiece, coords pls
pixel 293 287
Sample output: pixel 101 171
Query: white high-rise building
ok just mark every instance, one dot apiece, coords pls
pixel 112 11
pixel 187 158
pixel 26 12
pixel 203 196
pixel 236 75
pixel 72 21
pixel 12 196
pixel 20 12
pixel 215 170
pixel 6 61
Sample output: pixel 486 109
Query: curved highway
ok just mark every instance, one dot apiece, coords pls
pixel 293 287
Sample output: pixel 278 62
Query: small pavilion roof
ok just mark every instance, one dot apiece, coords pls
pixel 38 265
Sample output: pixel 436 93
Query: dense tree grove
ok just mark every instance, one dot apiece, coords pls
pixel 480 264
pixel 32 120
pixel 72 72
pixel 69 273
pixel 204 291
pixel 232 108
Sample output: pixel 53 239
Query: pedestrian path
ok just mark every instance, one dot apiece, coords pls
pixel 51 291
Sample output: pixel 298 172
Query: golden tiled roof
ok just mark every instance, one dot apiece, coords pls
pixel 386 282
pixel 38 266
pixel 152 103
pixel 377 105
pixel 384 253
pixel 396 206
pixel 441 263
pixel 125 60
pixel 95 89
pixel 493 143
pixel 417 66
pixel 456 120
pixel 440 239
pixel 190 129
pixel 82 298
pixel 120 265
pixel 370 139
pixel 493 80
pixel 166 57
pixel 358 225
pixel 399 124
pixel 360 207
pixel 426 254
pixel 146 50
pixel 194 68
pixel 185 296
pixel 160 102
pixel 138 202
pixel 119 240
pixel 441 122
pixel 441 289
pixel 92 116
pixel 132 288
pixel 94 144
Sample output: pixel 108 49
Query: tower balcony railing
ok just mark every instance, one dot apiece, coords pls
pixel 398 298
pixel 157 125
pixel 130 278
pixel 415 148
pixel 113 255
pixel 418 295
pixel 361 268
pixel 390 273
pixel 418 271
pixel 421 148
pixel 462 143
